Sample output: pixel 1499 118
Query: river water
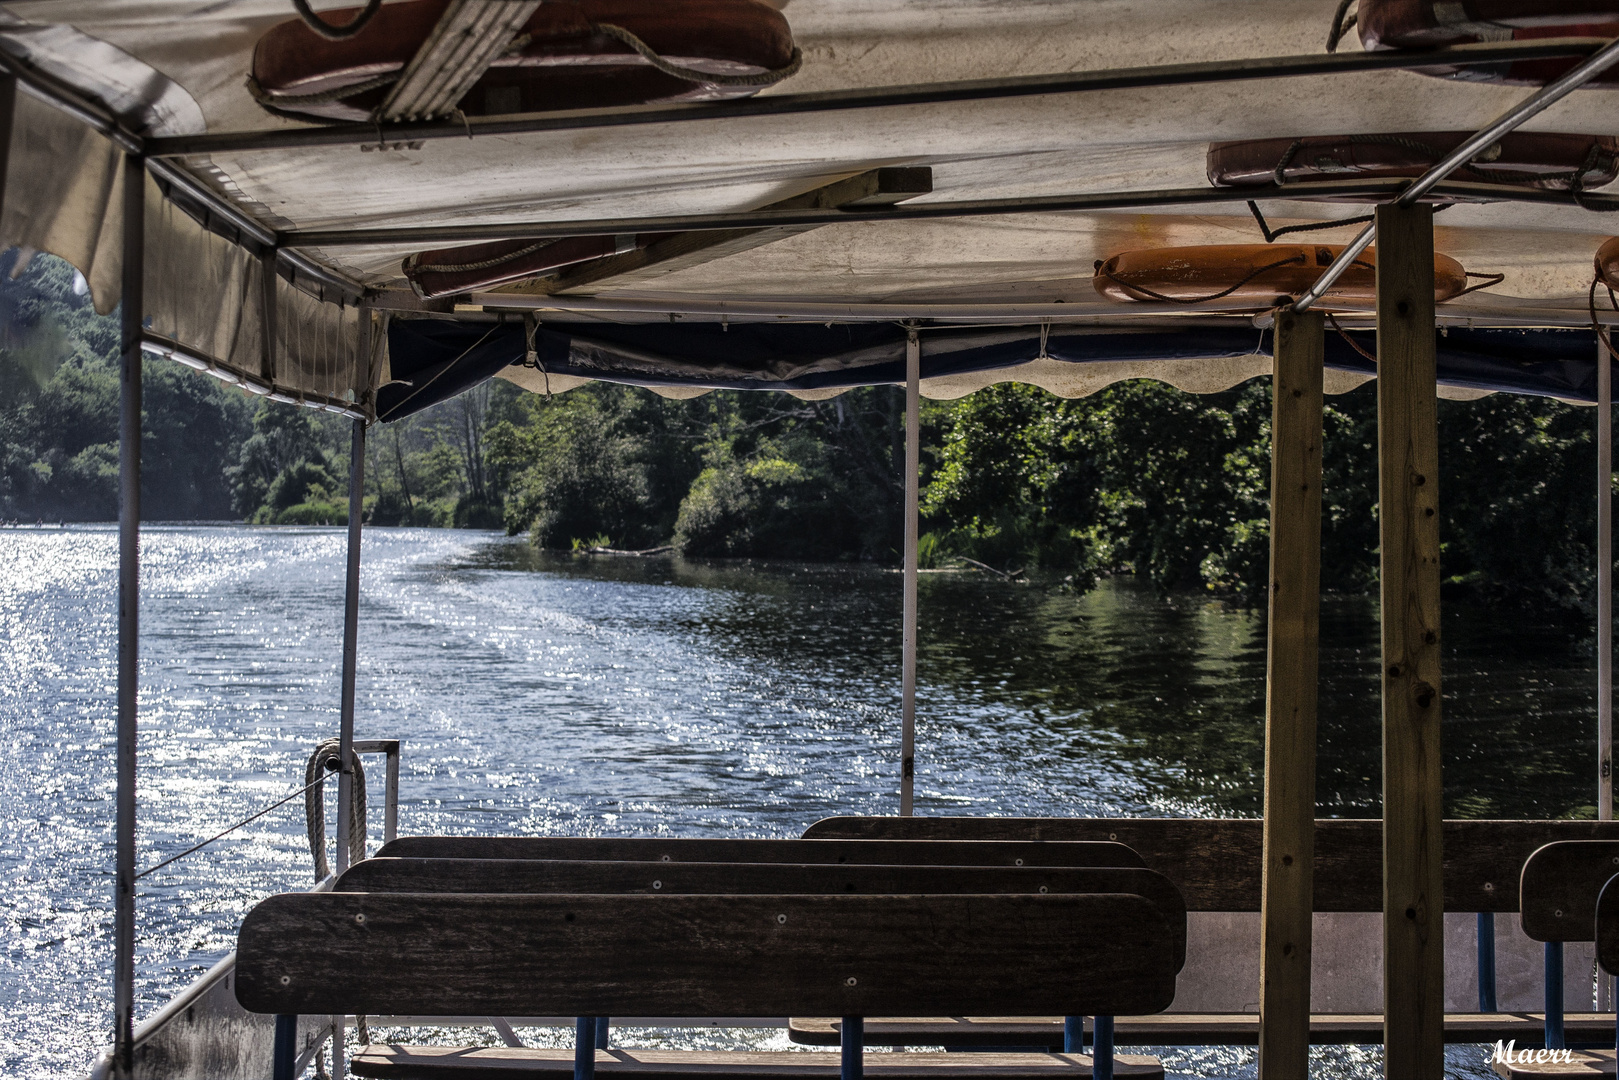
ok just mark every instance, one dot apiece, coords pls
pixel 546 694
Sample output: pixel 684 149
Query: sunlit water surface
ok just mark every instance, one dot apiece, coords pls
pixel 628 697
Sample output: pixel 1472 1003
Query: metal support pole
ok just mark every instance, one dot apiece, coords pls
pixel 1554 995
pixel 602 1031
pixel 852 1044
pixel 1102 1052
pixel 1073 1034
pixel 1604 583
pixel 129 535
pixel 913 464
pixel 584 1048
pixel 351 633
pixel 284 1065
pixel 1486 961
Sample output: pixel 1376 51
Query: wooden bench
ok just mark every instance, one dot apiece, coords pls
pixel 891 852
pixel 1216 863
pixel 656 952
pixel 1560 889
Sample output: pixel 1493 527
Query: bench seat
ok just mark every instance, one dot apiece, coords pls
pixel 394 1062
pixel 1189 1029
pixel 1586 1063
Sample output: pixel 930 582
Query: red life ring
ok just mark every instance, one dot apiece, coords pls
pixel 446 271
pixel 1425 24
pixel 1250 276
pixel 1521 159
pixel 568 61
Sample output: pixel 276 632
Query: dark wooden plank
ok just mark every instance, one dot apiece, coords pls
pixel 1607 929
pixel 1560 886
pixel 509 1063
pixel 1215 862
pixel 656 849
pixel 1292 658
pixel 671 879
pixel 549 955
pixel 1186 1029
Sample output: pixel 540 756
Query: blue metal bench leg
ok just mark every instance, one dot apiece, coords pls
pixel 1073 1034
pixel 601 1032
pixel 1486 961
pixel 584 1048
pixel 853 1044
pixel 286 1047
pixel 1102 1055
pixel 1554 995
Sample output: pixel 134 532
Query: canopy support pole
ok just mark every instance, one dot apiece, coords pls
pixel 1604 583
pixel 129 534
pixel 913 462
pixel 1290 696
pixel 1408 497
pixel 351 639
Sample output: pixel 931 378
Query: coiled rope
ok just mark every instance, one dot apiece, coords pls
pixel 414 262
pixel 325 759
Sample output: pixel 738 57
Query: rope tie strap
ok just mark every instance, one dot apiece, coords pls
pixel 763 78
pixel 336 33
pixel 1494 279
pixel 1105 272
pixel 1340 25
pixel 1045 334
pixel 1352 343
pixel 1591 300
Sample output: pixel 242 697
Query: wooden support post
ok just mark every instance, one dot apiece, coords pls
pixel 1408 501
pixel 1290 697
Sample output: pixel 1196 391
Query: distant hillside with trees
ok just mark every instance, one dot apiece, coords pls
pixel 1138 478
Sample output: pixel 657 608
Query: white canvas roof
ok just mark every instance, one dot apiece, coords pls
pixel 176 67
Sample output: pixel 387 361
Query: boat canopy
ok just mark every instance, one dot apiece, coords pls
pixel 991 262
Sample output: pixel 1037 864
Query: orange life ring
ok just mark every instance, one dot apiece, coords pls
pixel 1425 24
pixel 567 62
pixel 1521 159
pixel 1607 263
pixel 1250 276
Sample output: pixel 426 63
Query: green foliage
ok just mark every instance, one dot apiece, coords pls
pixel 59 411
pixel 783 501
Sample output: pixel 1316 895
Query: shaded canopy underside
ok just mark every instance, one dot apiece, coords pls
pixel 178 67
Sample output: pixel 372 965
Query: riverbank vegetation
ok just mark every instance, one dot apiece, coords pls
pixel 1138 478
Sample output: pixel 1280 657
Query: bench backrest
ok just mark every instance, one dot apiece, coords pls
pixel 1560 886
pixel 1216 863
pixel 1607 928
pixel 733 879
pixel 576 955
pixel 655 849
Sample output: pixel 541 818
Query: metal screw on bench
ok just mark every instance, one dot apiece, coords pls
pixel 853 1045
